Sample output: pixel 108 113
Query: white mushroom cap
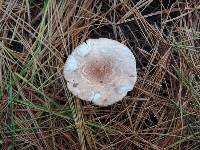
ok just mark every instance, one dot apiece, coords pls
pixel 101 70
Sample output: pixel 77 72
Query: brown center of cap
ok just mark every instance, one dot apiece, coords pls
pixel 98 70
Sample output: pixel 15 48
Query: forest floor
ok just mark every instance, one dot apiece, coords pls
pixel 37 111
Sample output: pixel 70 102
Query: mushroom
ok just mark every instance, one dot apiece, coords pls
pixel 100 70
